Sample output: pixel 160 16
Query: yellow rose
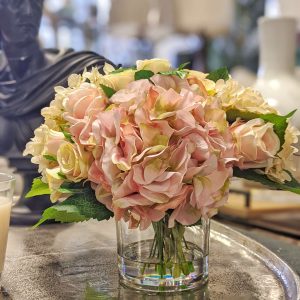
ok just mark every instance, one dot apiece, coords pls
pixel 199 79
pixel 155 65
pixel 118 81
pixel 73 161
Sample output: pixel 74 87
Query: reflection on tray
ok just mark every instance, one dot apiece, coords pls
pixel 274 210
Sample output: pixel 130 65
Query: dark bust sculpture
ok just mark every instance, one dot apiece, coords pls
pixel 27 78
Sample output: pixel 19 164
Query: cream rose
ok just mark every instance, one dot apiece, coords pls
pixel 51 176
pixel 155 65
pixel 234 95
pixel 118 81
pixel 45 142
pixel 255 141
pixel 74 162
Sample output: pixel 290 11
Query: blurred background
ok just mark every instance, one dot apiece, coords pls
pixel 210 34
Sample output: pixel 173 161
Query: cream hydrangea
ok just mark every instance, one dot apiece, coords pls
pixel 277 168
pixel 53 113
pixel 37 144
pixel 234 95
pixel 93 76
pixel 288 148
pixel 75 80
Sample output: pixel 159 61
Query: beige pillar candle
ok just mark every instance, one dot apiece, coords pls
pixel 5 208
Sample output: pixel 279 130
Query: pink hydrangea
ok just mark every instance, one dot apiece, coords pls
pixel 157 152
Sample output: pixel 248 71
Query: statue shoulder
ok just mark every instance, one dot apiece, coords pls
pixel 77 60
pixel 36 91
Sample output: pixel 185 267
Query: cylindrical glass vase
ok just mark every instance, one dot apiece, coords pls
pixel 163 259
pixel 7 183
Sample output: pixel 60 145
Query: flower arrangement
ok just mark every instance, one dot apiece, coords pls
pixel 156 145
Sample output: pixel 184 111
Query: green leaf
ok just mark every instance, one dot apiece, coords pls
pixel 38 188
pixel 280 122
pixel 250 174
pixel 61 175
pixel 143 74
pixel 180 73
pixel 120 70
pixel 50 157
pixel 221 73
pixel 77 208
pixel 108 91
pixel 182 66
pixel 64 214
pixel 69 191
pixel 72 187
pixel 66 134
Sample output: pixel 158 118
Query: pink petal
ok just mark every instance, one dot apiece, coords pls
pixel 131 200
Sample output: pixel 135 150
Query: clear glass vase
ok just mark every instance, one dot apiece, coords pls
pixel 162 259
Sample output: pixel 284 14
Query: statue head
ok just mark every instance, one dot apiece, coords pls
pixel 20 20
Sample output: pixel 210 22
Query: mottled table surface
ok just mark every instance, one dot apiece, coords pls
pixel 79 261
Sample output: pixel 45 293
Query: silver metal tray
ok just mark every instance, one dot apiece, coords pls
pixel 79 262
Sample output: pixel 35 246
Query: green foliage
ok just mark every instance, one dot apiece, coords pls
pixel 147 74
pixel 108 91
pixel 80 206
pixel 280 122
pixel 50 157
pixel 221 73
pixel 253 175
pixel 66 134
pixel 182 66
pixel 143 74
pixel 120 70
pixel 72 187
pixel 63 214
pixel 178 72
pixel 38 188
pixel 62 175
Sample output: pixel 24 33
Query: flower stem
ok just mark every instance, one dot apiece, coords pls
pixel 168 248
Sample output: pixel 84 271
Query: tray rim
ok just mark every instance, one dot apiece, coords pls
pixel 265 255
